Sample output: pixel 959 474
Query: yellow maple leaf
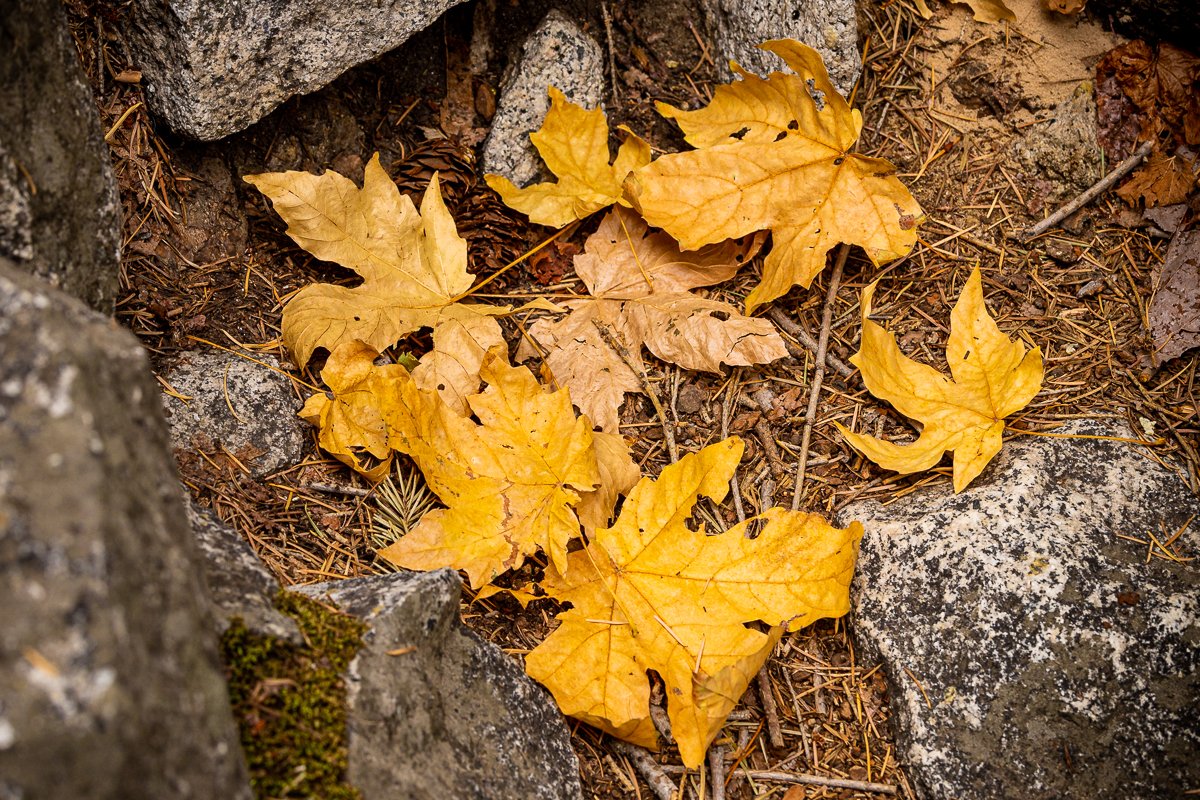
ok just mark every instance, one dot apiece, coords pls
pixel 992 378
pixel 574 144
pixel 412 265
pixel 348 415
pixel 640 286
pixel 650 594
pixel 512 483
pixel 774 154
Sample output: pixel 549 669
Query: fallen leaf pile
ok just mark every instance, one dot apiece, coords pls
pixel 519 480
pixel 640 284
pixel 1146 93
pixel 993 377
pixel 519 471
pixel 650 594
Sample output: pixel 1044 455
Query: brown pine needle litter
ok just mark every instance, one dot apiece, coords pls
pixel 828 712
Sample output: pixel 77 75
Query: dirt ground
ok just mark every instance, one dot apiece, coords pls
pixel 207 265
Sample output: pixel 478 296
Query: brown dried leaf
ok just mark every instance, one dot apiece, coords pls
pixel 640 285
pixel 1175 308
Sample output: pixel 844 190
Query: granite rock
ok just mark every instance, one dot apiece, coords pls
pixel 828 26
pixel 1065 151
pixel 60 217
pixel 240 585
pixel 110 682
pixel 261 429
pixel 435 711
pixel 1026 640
pixel 557 53
pixel 212 69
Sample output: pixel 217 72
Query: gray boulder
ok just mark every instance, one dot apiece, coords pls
pixel 110 682
pixel 828 26
pixel 60 216
pixel 1031 648
pixel 241 587
pixel 435 711
pixel 212 69
pixel 558 53
pixel 1066 151
pixel 244 407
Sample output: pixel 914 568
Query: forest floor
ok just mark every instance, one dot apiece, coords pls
pixel 207 264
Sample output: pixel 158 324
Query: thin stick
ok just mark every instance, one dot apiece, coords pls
pixel 664 788
pixel 612 341
pixel 612 56
pixel 803 337
pixel 716 764
pixel 800 777
pixel 329 488
pixel 1120 171
pixel 766 693
pixel 818 373
pixel 817 780
pixel 763 399
pixel 726 412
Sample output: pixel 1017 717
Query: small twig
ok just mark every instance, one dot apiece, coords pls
pixel 799 777
pixel 612 55
pixel 766 693
pixel 817 780
pixel 616 344
pixel 1118 172
pixel 329 488
pixel 662 722
pixel 716 765
pixel 726 412
pixel 766 495
pixel 664 788
pixel 803 337
pixel 818 373
pixel 763 398
pixel 620 773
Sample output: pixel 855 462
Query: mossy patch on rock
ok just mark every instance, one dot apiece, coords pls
pixel 290 701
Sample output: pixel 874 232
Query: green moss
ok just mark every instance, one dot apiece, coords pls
pixel 289 701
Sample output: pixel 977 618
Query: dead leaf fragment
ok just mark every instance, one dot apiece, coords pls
pixel 412 265
pixel 1162 182
pixel 650 594
pixel 574 144
pixel 511 482
pixel 774 154
pixel 990 11
pixel 1065 7
pixel 640 284
pixel 1175 308
pixel 992 378
pixel 1162 83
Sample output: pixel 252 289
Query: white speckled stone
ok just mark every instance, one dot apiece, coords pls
pixel 828 26
pixel 262 429
pixel 1057 659
pixel 558 53
pixel 214 68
